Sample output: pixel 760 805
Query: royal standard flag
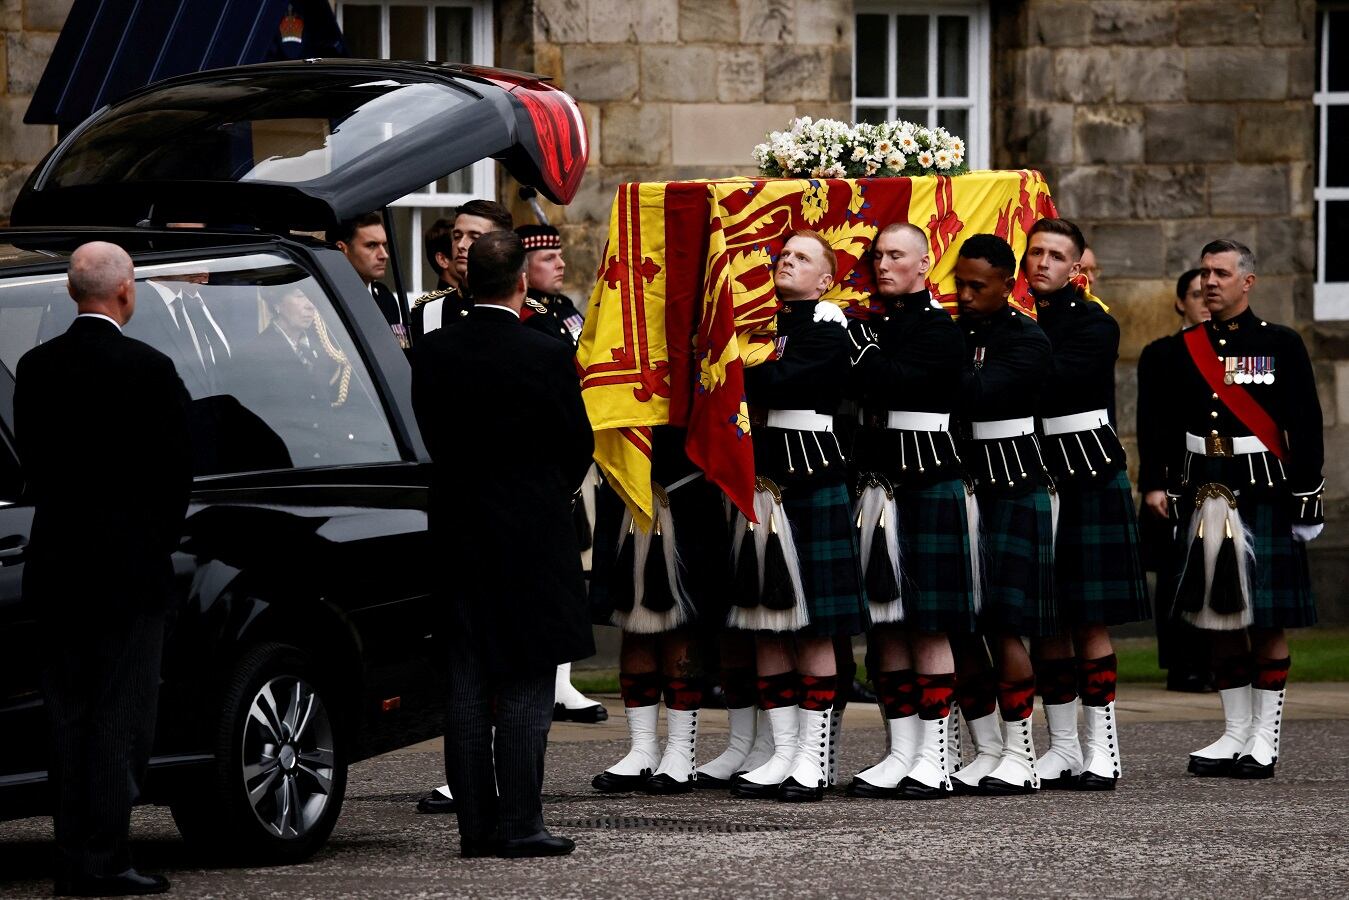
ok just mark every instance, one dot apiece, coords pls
pixel 684 298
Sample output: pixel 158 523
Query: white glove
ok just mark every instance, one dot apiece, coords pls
pixel 1305 534
pixel 830 312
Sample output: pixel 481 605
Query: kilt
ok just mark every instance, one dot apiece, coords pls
pixel 702 543
pixel 1017 548
pixel 938 586
pixel 1098 573
pixel 831 570
pixel 1281 593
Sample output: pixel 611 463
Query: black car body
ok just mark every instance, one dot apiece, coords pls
pixel 305 579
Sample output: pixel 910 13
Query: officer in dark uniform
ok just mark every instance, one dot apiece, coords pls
pixel 450 304
pixel 1007 361
pixel 1098 573
pixel 1246 489
pixel 546 307
pixel 912 514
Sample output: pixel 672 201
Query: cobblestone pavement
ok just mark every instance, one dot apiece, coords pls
pixel 1162 833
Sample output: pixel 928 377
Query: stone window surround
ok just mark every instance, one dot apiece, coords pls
pixel 482 175
pixel 1331 299
pixel 980 51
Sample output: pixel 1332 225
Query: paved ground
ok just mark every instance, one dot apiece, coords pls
pixel 1162 833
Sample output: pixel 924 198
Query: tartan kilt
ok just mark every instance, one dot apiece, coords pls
pixel 831 571
pixel 1017 550
pixel 935 540
pixel 702 542
pixel 1281 591
pixel 1098 573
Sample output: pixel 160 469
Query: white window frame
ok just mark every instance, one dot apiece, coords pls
pixel 482 177
pixel 1330 299
pixel 977 101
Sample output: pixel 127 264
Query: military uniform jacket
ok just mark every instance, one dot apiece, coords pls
pixel 552 314
pixel 1007 360
pixel 1085 343
pixel 809 373
pixel 913 365
pixel 1270 362
pixel 440 307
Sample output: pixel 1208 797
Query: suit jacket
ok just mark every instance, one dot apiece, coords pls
pixel 500 410
pixel 101 424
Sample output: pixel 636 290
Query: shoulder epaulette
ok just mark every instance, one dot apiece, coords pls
pixel 535 305
pixel 433 295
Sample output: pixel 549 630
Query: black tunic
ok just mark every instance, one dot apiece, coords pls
pixel 552 314
pixel 1008 359
pixel 1085 342
pixel 915 365
pixel 454 305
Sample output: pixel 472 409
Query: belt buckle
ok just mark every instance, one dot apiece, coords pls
pixel 1216 445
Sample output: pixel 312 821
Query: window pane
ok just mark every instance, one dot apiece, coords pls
pixel 407 32
pixel 1337 233
pixel 871 56
pixel 956 121
pixel 1337 72
pixel 460 182
pixel 916 114
pixel 454 34
pixel 953 55
pixel 360 27
pixel 874 114
pixel 1337 146
pixel 911 56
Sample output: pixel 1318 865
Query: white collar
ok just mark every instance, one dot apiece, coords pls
pixel 499 306
pixel 99 316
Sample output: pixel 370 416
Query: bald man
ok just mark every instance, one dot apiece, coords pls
pixel 101 424
pixel 907 356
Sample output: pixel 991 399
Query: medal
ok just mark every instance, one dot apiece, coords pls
pixel 1229 365
pixel 979 357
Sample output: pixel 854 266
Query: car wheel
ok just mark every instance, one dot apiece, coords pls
pixel 280 771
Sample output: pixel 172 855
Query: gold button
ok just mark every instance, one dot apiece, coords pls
pixel 1214 432
pixel 1214 414
pixel 463 312
pixel 1222 342
pixel 1215 396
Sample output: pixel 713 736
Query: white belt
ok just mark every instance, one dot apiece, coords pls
pixel 1224 446
pixel 1002 428
pixel 800 420
pixel 905 420
pixel 1087 421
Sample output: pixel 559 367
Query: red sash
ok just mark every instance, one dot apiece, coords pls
pixel 1233 396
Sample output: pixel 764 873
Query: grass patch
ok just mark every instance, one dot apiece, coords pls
pixel 1319 654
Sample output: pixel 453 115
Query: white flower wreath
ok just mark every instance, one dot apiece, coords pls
pixel 828 148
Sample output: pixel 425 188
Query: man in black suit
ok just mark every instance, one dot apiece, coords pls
pixel 366 246
pixel 500 409
pixel 101 423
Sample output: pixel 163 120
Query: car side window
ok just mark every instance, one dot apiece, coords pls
pixel 275 378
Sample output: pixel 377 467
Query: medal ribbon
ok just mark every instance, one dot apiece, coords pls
pixel 1233 396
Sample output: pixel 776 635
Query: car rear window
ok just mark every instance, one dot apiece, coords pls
pixel 275 379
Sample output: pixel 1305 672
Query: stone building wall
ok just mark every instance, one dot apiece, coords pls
pixel 675 88
pixel 28 30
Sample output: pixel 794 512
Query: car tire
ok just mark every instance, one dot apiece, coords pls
pixel 280 770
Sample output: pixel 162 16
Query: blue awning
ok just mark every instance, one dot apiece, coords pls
pixel 109 48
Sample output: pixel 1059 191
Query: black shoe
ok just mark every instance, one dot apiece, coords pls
pixel 586 715
pixel 541 844
pixel 860 693
pixel 961 789
pixel 123 884
pixel 708 783
pixel 1247 767
pixel 476 848
pixel 435 803
pixel 1211 768
pixel 996 787
pixel 869 791
pixel 1090 781
pixel 1064 781
pixel 612 783
pixel 1188 682
pixel 665 784
pixel 751 790
pixel 793 791
pixel 913 789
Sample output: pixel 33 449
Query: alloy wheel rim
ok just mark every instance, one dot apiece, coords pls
pixel 288 758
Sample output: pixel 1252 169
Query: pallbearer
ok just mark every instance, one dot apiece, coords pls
pixel 912 514
pixel 1247 492
pixel 1098 574
pixel 1007 362
pixel 797 579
